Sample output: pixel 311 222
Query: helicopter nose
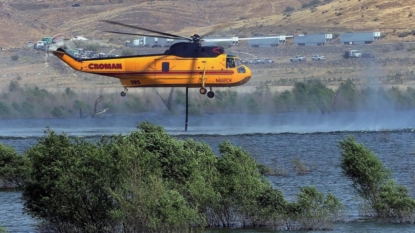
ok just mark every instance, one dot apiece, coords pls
pixel 248 72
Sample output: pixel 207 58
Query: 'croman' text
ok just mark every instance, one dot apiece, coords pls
pixel 107 66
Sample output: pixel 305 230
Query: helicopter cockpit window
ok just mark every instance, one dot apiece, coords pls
pixel 230 63
pixel 165 66
pixel 241 68
pixel 238 62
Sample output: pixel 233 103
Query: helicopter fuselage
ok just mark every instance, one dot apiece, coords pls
pixel 208 66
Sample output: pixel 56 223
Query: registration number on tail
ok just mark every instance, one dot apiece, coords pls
pixel 223 80
pixel 135 82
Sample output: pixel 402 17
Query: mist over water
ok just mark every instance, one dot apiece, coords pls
pixel 218 124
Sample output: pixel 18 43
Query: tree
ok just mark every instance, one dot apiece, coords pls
pixel 14 168
pixel 69 184
pixel 239 185
pixel 148 181
pixel 312 96
pixel 372 181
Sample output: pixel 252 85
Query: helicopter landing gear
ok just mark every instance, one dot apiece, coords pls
pixel 211 94
pixel 203 89
pixel 124 93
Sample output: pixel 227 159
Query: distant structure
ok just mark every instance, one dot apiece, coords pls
pixel 218 40
pixel 265 41
pixel 359 37
pixel 147 41
pixel 313 39
pixel 154 42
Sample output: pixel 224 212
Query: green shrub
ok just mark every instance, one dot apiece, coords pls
pixel 15 57
pixel 312 96
pixel 4 110
pixel 57 112
pixel 3 230
pixel 300 167
pixel 82 106
pixel 150 181
pixel 363 167
pixel 284 101
pixel 227 100
pixel 14 86
pixel 372 181
pixel 68 188
pixel 253 106
pixel 313 211
pixel 404 34
pixel 310 4
pixel 395 203
pixel 289 9
pixel 14 168
pixel 27 110
pixel 239 185
pixel 347 96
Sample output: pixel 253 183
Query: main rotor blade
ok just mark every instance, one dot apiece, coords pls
pixel 138 34
pixel 145 29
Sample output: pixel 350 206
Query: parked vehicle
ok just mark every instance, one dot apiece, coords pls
pixel 47 40
pixel 318 57
pixel 267 60
pixel 40 45
pixel 352 54
pixel 298 58
pixel 256 61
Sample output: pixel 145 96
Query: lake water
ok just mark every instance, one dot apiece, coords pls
pixel 274 140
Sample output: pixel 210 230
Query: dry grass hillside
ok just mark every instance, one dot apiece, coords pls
pixel 390 17
pixel 27 20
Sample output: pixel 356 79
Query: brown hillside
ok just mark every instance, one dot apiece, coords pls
pixel 32 19
pixel 28 20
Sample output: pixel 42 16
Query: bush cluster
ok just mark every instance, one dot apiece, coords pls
pixel 309 96
pixel 148 181
pixel 311 3
pixel 372 181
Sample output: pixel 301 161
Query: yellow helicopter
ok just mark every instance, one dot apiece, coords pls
pixel 184 64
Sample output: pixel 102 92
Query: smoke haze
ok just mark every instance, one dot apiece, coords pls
pixel 222 124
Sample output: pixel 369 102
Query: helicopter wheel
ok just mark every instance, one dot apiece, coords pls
pixel 124 93
pixel 211 94
pixel 202 90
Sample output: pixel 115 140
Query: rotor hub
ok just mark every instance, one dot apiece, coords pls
pixel 196 38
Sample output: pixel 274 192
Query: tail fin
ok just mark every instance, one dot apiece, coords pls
pixel 73 62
